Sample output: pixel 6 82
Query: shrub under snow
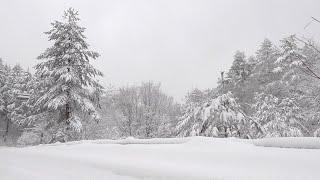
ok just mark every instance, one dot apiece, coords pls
pixel 29 138
pixel 317 133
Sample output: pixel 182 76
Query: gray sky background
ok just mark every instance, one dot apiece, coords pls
pixel 181 43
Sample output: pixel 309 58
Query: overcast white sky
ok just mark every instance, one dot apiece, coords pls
pixel 181 43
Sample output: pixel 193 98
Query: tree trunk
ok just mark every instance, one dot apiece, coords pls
pixel 68 107
pixel 7 130
pixel 225 131
pixel 41 138
pixel 68 112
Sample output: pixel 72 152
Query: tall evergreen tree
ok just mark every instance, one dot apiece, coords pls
pixel 266 51
pixel 265 71
pixel 238 71
pixel 2 75
pixel 7 98
pixel 2 83
pixel 300 63
pixel 71 81
pixel 13 86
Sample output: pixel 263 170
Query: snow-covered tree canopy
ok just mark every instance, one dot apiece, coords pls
pixel 13 86
pixel 221 115
pixel 239 69
pixel 290 54
pixel 197 96
pixel 67 72
pixel 279 117
pixel 293 57
pixel 147 111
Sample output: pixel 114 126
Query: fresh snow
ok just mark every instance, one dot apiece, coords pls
pixel 277 70
pixel 129 140
pixel 289 142
pixel 177 158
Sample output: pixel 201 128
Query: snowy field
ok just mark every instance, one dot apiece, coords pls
pixel 188 158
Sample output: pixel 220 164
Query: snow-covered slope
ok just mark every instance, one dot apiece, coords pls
pixel 188 158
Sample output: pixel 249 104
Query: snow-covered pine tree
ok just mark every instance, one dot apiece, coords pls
pixel 291 56
pixel 13 82
pixel 220 116
pixel 5 98
pixel 300 65
pixel 278 117
pixel 2 104
pixel 238 71
pixel 68 74
pixel 39 125
pixel 265 70
pixel 2 74
pixel 266 51
pixel 238 80
pixel 195 96
pixel 17 80
pixel 311 87
pixel 2 83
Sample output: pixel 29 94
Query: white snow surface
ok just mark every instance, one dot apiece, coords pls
pixel 290 142
pixel 194 158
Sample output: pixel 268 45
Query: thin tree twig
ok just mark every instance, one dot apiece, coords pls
pixel 309 69
pixel 307 44
pixel 315 19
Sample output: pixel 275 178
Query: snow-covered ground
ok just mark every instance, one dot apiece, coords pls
pixel 289 142
pixel 188 158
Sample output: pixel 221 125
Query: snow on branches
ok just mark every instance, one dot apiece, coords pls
pixel 219 116
pixel 279 117
pixel 71 81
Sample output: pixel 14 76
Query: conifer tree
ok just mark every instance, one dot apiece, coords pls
pixel 72 88
pixel 2 83
pixel 6 98
pixel 238 71
pixel 13 82
pixel 2 75
pixel 265 71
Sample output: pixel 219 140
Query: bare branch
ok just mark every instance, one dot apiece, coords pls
pixel 307 25
pixel 309 69
pixel 307 44
pixel 315 19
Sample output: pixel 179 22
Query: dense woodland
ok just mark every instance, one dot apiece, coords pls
pixel 272 93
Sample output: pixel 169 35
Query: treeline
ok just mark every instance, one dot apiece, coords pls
pixel 143 111
pixel 273 93
pixel 64 101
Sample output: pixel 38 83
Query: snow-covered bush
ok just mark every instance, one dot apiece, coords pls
pixel 316 133
pixel 219 116
pixel 29 138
